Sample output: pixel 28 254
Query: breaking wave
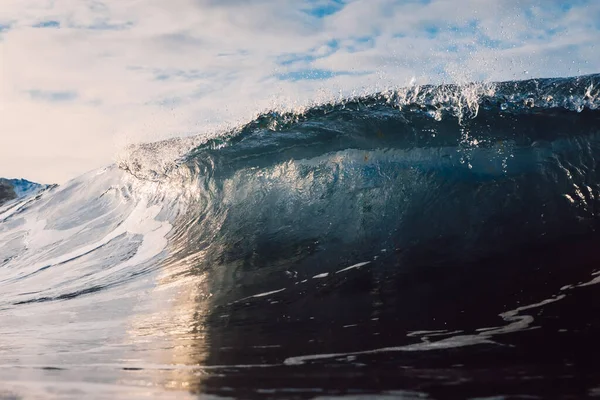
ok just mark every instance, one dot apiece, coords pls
pixel 342 213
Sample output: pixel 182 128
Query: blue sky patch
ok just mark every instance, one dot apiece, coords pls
pixel 289 59
pixel 184 75
pixel 108 26
pixel 314 74
pixel 47 24
pixel 361 44
pixel 322 9
pixel 431 31
pixel 51 96
pixel 308 57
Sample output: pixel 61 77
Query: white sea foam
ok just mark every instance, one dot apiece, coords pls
pixel 516 321
pixel 361 264
pixel 268 293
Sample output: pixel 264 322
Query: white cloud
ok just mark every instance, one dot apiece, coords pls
pixel 100 73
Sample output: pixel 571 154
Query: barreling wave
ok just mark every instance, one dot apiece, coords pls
pixel 439 174
pixel 282 209
pixel 434 173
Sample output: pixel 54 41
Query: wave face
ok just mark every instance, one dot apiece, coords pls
pixel 11 189
pixel 436 240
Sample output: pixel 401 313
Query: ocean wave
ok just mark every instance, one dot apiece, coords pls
pixel 398 112
pixel 351 214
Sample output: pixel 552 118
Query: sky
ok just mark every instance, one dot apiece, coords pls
pixel 81 79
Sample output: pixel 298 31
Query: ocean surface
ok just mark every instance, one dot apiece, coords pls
pixel 425 242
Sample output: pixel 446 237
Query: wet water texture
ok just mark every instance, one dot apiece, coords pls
pixel 422 244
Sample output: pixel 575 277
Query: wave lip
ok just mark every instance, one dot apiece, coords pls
pixel 416 104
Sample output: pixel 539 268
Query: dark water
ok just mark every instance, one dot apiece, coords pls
pixel 434 242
